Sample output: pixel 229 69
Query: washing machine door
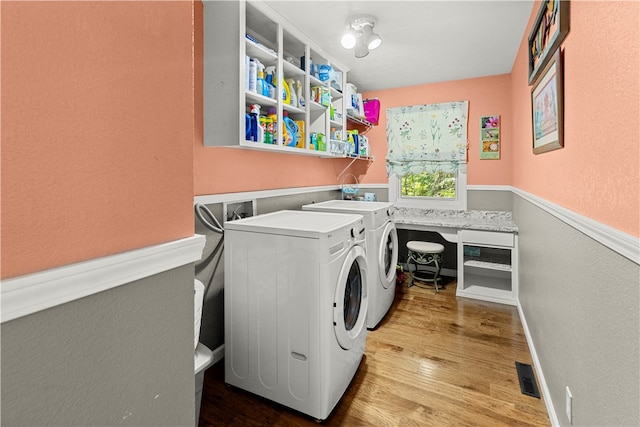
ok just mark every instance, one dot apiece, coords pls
pixel 351 299
pixel 388 255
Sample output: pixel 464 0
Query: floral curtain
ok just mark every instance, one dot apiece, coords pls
pixel 429 138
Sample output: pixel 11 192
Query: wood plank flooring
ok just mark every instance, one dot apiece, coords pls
pixel 435 360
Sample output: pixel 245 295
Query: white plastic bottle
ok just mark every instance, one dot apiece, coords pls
pixel 253 75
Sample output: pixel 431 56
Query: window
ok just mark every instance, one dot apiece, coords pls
pixel 427 155
pixel 430 190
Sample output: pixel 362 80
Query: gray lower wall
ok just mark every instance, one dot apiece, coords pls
pixel 120 357
pixel 489 200
pixel 579 298
pixel 581 305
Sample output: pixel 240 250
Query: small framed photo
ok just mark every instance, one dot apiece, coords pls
pixel 490 137
pixel 547 105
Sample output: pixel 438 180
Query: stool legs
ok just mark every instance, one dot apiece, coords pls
pixel 434 259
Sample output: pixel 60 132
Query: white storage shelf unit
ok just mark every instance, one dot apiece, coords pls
pixel 276 43
pixel 488 266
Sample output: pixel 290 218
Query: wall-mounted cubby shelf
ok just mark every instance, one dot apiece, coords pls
pixel 237 30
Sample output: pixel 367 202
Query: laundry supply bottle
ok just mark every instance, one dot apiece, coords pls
pixel 289 129
pixel 301 103
pixel 291 84
pixel 254 112
pixel 286 94
pixel 270 78
pixel 272 125
pixel 264 124
pixel 261 85
pixel 300 137
pixel 253 75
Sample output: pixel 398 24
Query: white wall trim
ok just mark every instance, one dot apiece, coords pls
pixel 25 295
pixel 218 354
pixel 490 187
pixel 553 417
pixel 616 240
pixel 261 194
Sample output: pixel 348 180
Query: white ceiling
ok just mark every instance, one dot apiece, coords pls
pixel 423 41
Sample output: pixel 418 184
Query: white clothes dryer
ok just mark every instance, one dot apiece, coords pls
pixel 382 250
pixel 295 300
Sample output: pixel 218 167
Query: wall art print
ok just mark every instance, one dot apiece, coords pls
pixel 548 31
pixel 430 137
pixel 490 137
pixel 547 105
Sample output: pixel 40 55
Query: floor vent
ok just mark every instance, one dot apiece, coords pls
pixel 527 380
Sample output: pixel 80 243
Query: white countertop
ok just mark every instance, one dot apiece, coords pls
pixel 468 220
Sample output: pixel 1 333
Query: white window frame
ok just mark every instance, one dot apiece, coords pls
pixel 459 203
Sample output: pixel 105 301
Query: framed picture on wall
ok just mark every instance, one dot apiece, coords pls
pixel 547 105
pixel 548 31
pixel 489 137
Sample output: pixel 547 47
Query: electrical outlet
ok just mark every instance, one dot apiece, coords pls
pixel 238 210
pixel 568 403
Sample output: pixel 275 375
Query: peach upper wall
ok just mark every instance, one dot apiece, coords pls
pixel 97 130
pixel 226 170
pixel 597 172
pixel 487 96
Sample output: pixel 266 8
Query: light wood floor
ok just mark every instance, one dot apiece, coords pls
pixel 435 360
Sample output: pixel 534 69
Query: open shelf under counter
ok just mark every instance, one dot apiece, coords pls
pixel 488 266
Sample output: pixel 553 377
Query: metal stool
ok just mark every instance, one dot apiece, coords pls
pixel 425 254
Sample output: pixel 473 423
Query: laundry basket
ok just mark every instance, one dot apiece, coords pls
pixel 350 191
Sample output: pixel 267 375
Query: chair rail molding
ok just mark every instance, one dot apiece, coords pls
pixel 28 294
pixel 616 240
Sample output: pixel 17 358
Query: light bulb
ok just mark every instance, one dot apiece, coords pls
pixel 374 41
pixel 348 40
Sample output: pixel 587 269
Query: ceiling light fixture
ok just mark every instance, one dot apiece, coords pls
pixel 359 35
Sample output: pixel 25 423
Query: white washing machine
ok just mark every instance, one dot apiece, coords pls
pixel 295 300
pixel 382 250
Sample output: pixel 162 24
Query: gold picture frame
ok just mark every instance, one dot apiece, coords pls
pixel 548 31
pixel 547 107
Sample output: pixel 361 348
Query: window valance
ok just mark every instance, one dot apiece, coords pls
pixel 430 137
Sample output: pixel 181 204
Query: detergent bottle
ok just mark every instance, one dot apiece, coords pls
pixel 254 112
pixel 253 75
pixel 286 94
pixel 299 94
pixel 291 84
pixel 267 137
pixel 270 77
pixel 289 129
pixel 272 125
pixel 262 87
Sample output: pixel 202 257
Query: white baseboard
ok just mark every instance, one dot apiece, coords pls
pixel 553 418
pixel 218 354
pixel 31 293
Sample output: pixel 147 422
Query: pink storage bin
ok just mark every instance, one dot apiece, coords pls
pixel 372 110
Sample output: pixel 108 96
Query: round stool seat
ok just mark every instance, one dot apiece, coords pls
pixel 425 247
